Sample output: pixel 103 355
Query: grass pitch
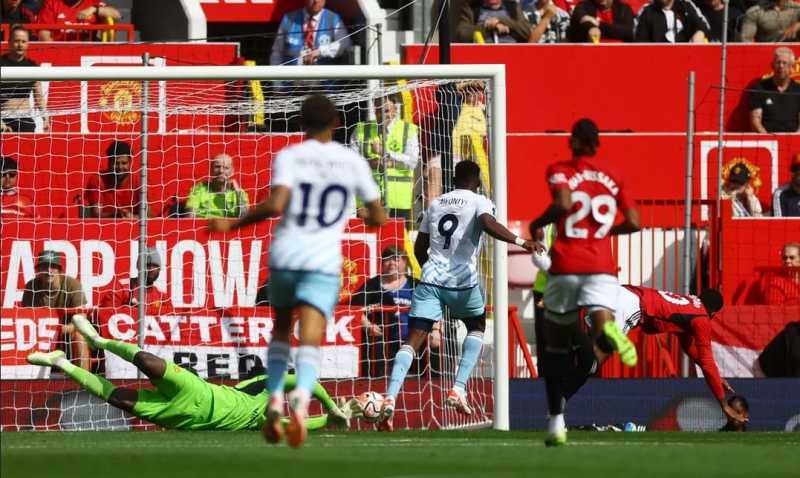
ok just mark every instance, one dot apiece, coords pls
pixel 451 454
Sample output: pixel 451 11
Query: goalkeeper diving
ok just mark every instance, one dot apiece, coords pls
pixel 181 400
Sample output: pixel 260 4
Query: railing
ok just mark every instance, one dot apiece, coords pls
pixel 653 257
pixel 109 29
pixel 520 360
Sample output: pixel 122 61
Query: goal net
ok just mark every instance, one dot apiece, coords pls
pixel 127 164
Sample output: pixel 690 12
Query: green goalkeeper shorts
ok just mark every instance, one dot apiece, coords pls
pixel 182 400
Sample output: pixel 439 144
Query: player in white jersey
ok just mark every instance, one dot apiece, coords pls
pixel 447 246
pixel 314 185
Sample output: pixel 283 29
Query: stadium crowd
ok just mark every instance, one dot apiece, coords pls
pixel 318 35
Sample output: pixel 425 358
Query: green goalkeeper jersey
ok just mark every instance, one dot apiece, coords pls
pixel 236 410
pixel 185 401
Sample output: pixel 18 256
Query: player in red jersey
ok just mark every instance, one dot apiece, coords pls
pixel 583 275
pixel 686 316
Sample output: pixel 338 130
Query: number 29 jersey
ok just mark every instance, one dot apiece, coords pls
pixel 455 238
pixel 324 179
pixel 583 243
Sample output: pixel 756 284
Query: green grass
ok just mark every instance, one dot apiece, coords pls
pixel 458 454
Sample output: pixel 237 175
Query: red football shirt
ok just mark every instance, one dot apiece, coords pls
pixel 583 245
pixel 606 17
pixel 782 288
pixel 112 200
pixel 16 205
pixel 59 12
pixel 684 316
pixel 121 294
pixel 566 5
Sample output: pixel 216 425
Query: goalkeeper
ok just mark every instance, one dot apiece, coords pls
pixel 181 400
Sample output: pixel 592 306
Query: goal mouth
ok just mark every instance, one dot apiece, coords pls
pixel 201 142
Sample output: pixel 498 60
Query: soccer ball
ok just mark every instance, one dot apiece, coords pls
pixel 368 406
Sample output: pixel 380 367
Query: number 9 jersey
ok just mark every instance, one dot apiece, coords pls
pixel 324 179
pixel 583 243
pixel 455 238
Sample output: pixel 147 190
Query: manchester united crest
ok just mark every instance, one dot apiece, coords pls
pixel 752 168
pixel 121 101
pixel 350 279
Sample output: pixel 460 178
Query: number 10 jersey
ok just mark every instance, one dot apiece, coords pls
pixel 455 238
pixel 583 243
pixel 324 179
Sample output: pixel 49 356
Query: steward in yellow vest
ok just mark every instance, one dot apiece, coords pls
pixel 391 146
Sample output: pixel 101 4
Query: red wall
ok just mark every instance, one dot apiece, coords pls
pixel 174 54
pixel 55 168
pixel 749 245
pixel 653 166
pixel 64 99
pixel 638 87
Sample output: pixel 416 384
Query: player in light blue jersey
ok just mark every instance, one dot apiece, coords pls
pixel 314 185
pixel 448 246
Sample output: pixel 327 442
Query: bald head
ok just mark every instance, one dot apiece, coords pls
pixel 791 254
pixel 782 65
pixel 221 169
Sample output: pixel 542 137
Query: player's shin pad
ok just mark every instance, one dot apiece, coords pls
pixel 471 351
pixel 402 362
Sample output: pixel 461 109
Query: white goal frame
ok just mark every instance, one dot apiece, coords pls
pixel 496 76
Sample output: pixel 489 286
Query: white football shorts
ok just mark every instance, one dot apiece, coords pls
pixel 628 312
pixel 566 294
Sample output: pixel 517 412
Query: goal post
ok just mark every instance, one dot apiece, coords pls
pixel 158 81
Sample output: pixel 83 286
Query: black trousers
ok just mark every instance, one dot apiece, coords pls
pixel 21 125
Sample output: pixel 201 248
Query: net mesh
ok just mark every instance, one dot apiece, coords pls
pixel 209 147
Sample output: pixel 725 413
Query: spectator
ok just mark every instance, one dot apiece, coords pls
pixel 498 21
pixel 786 199
pixel 53 289
pixel 14 204
pixel 714 12
pixel 125 292
pixel 740 405
pixel 470 130
pixel 782 287
pixel 262 295
pixel 113 193
pixel 771 21
pixel 567 5
pixel 775 101
pixel 391 144
pixel 670 21
pixel 312 35
pixel 548 22
pixel 74 12
pixel 737 188
pixel 221 195
pixel 385 330
pixel 14 12
pixel 781 356
pixel 597 20
pixel 15 95
pixel 791 255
